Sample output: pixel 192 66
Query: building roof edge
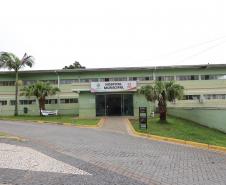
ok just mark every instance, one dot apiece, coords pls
pixel 202 66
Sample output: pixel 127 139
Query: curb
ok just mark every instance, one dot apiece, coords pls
pixel 12 137
pixel 15 138
pixel 98 125
pixel 174 141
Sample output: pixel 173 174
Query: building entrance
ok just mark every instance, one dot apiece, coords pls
pixel 114 105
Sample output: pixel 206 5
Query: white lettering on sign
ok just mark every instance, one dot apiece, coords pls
pixel 113 86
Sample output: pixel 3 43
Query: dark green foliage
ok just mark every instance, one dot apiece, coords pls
pixel 75 65
pixel 40 90
pixel 162 92
pixel 12 62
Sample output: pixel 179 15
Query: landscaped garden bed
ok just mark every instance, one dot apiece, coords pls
pixel 182 129
pixel 69 120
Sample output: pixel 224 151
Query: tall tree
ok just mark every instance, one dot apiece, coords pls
pixel 40 90
pixel 162 92
pixel 12 62
pixel 75 65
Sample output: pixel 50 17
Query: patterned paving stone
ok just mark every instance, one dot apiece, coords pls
pixel 126 157
pixel 24 158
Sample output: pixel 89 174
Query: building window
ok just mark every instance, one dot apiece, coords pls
pixel 26 102
pixel 93 79
pixel 106 79
pixel 69 100
pixel 205 77
pixel 221 77
pixel 84 80
pixel 191 97
pixel 12 102
pixel 51 101
pixel 132 78
pixel 140 78
pixel 145 78
pixel 113 79
pixel 29 82
pixel 169 78
pixel 159 78
pixel 165 78
pixel 7 83
pixel 187 77
pixel 214 96
pixel 118 79
pixel 122 79
pixel 54 82
pixel 87 80
pixel 69 81
pixel 213 77
pixel 3 102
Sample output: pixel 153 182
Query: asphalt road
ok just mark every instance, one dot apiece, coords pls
pixel 112 157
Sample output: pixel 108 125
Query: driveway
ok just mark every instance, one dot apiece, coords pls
pixel 111 156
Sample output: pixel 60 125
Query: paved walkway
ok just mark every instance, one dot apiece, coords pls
pixel 115 124
pixel 114 157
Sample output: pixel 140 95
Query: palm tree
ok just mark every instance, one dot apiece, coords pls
pixel 12 62
pixel 40 90
pixel 162 92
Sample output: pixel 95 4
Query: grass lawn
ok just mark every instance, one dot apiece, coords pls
pixel 57 119
pixel 183 129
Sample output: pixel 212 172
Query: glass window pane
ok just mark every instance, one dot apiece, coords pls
pixel 128 104
pixel 100 105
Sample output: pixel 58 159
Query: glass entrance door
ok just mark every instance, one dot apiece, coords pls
pixel 114 105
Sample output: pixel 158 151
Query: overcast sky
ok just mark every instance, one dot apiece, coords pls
pixel 117 33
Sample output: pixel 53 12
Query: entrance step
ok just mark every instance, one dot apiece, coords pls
pixel 115 124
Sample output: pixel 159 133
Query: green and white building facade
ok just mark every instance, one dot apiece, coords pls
pixel 113 91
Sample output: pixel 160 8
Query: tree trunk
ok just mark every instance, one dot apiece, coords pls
pixel 41 102
pixel 162 106
pixel 162 112
pixel 16 95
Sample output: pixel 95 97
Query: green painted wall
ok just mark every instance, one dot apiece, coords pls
pixel 87 105
pixel 140 101
pixel 87 100
pixel 210 117
pixel 63 109
pixel 9 110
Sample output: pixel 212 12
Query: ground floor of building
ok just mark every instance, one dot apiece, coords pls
pixel 83 104
pixel 111 104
